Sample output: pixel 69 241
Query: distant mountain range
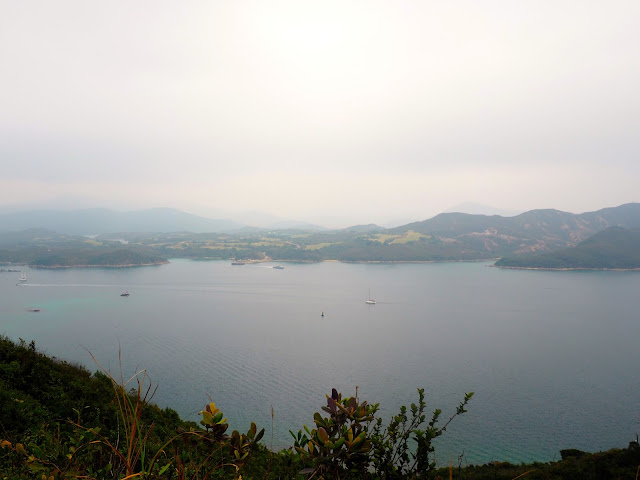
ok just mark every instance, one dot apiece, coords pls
pixel 478 209
pixel 95 221
pixel 99 221
pixel 170 233
pixel 533 231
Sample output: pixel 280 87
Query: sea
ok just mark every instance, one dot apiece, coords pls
pixel 552 356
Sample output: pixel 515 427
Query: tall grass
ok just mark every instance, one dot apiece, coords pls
pixel 132 396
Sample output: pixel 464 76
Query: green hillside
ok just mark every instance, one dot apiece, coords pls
pixel 614 248
pixel 446 237
pixel 59 421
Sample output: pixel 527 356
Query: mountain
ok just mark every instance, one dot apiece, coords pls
pixel 104 221
pixel 614 248
pixel 478 209
pixel 368 228
pixel 529 232
pixel 445 237
pixel 266 221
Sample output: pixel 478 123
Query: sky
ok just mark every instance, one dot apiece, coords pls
pixel 334 112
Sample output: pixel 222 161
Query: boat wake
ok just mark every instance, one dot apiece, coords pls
pixel 68 285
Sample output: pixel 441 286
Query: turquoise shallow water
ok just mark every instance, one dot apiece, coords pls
pixel 552 356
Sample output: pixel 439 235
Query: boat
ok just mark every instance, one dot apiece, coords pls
pixel 33 310
pixel 23 277
pixel 237 262
pixel 279 267
pixel 370 301
pixel 125 294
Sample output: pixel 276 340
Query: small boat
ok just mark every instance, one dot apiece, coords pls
pixel 322 314
pixel 23 277
pixel 237 262
pixel 370 301
pixel 33 310
pixel 279 267
pixel 125 294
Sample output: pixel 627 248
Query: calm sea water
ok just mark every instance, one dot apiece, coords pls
pixel 552 356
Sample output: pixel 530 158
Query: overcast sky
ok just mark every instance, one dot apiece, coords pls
pixel 334 111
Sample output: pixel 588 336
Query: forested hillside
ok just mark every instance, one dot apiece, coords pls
pixel 614 248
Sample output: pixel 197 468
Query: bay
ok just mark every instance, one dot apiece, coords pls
pixel 551 356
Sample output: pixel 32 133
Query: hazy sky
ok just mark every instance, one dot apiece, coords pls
pixel 342 111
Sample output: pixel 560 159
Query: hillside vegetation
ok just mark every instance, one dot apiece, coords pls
pixel 614 248
pixel 59 421
pixel 446 237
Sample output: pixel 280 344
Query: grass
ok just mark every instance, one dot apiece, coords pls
pixel 411 236
pixel 396 239
pixel 318 246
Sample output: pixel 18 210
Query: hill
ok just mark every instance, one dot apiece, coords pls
pixel 533 231
pixel 103 221
pixel 614 248
pixel 44 248
pixel 445 237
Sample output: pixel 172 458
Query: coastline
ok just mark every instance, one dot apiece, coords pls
pixel 479 260
pixel 569 269
pixel 128 265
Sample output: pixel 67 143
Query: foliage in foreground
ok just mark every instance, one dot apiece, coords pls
pixel 618 463
pixel 58 421
pixel 352 443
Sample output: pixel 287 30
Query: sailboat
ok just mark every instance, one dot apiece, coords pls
pixel 23 278
pixel 370 301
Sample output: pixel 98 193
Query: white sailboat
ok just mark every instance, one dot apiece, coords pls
pixel 370 301
pixel 23 277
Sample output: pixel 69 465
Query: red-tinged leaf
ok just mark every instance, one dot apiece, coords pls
pixel 322 435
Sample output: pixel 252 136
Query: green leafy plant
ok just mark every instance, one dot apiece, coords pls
pixel 352 443
pixel 405 447
pixel 340 443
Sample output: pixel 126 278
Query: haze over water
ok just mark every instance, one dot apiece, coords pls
pixel 552 356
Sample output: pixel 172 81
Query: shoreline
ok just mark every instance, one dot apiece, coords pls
pixel 569 269
pixel 414 261
pixel 384 262
pixel 128 265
